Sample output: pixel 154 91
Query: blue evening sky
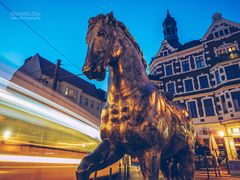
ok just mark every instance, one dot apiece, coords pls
pixel 64 24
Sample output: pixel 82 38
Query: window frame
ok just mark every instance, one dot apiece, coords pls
pixel 232 74
pixel 204 75
pixel 238 108
pixel 171 65
pixel 203 60
pixel 189 66
pixel 195 103
pixel 212 102
pixel 174 87
pixel 184 82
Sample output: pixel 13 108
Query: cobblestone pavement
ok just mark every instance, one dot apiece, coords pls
pixel 135 174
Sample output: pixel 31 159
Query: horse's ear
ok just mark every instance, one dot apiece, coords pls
pixel 110 19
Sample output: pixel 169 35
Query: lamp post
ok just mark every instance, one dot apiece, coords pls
pixel 221 134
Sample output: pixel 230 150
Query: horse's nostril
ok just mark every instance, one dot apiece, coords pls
pixel 99 68
pixel 86 68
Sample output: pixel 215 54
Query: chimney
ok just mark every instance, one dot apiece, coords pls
pixel 55 75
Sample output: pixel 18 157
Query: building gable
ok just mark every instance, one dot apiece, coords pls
pixel 220 27
pixel 165 49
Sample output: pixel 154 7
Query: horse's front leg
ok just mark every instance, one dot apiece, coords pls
pixel 150 164
pixel 104 155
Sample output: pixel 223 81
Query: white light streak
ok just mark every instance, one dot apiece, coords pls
pixel 37 159
pixel 45 109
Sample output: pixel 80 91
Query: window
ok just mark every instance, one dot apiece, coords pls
pixel 165 53
pixel 43 81
pixel 231 49
pixel 224 105
pixel 203 80
pixel 98 107
pixel 216 34
pixel 86 101
pixel 217 76
pixel 71 93
pixel 208 106
pixel 80 100
pixel 188 85
pixel 199 62
pixel 221 52
pixel 236 100
pixel 170 87
pixel 92 104
pixel 169 70
pixel 221 32
pixel 185 66
pixel 192 109
pixel 226 31
pixel 232 71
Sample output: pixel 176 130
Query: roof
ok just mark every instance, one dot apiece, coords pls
pixel 47 68
pixel 174 43
pixel 189 44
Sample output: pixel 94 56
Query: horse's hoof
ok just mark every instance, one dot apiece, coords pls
pixel 81 176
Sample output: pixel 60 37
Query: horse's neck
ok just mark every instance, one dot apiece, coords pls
pixel 127 77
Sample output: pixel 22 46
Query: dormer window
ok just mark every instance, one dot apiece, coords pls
pixel 221 52
pixel 231 49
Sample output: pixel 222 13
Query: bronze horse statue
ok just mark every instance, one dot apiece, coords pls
pixel 137 119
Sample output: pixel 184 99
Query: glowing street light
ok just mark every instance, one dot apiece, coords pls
pixel 6 134
pixel 221 133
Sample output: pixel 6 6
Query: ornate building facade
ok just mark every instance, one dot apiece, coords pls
pixel 204 76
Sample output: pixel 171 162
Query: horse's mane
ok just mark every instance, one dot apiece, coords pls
pixel 101 17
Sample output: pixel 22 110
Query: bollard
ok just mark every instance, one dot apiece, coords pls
pixel 95 175
pixel 124 172
pixel 128 171
pixel 110 173
pixel 227 165
pixel 119 171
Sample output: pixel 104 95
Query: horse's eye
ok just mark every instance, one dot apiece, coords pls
pixel 101 34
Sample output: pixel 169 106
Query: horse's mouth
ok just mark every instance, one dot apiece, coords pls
pixel 94 72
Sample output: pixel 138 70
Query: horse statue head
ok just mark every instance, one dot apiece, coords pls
pixel 105 45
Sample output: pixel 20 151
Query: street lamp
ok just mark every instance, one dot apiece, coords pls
pixel 6 134
pixel 221 133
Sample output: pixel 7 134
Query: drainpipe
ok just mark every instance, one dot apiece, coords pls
pixel 55 75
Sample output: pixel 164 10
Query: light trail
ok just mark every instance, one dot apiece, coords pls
pixel 29 102
pixel 37 159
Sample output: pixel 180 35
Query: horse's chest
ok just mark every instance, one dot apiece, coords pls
pixel 123 127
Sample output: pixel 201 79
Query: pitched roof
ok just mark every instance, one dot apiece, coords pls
pixel 47 68
pixel 190 44
pixel 175 43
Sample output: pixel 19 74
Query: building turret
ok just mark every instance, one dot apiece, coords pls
pixel 170 28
